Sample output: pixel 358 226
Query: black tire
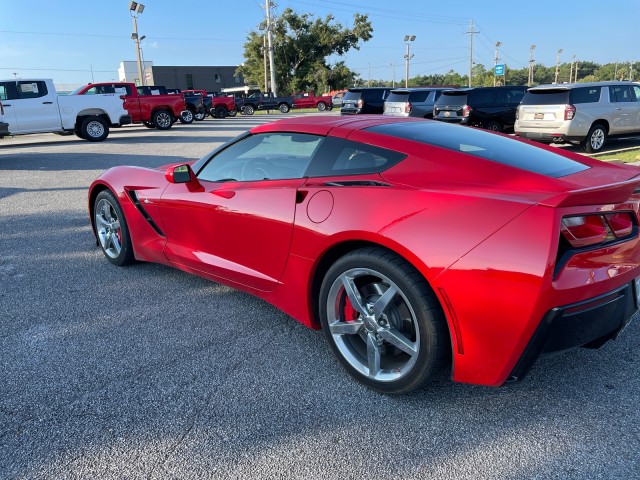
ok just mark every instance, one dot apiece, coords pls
pixel 94 129
pixel 162 119
pixel 200 116
pixel 595 139
pixel 249 110
pixel 405 343
pixel 322 106
pixel 221 112
pixel 233 113
pixel 111 229
pixel 493 126
pixel 284 108
pixel 186 117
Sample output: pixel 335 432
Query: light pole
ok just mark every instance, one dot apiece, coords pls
pixel 573 60
pixel 495 62
pixel 531 49
pixel 557 64
pixel 136 9
pixel 407 40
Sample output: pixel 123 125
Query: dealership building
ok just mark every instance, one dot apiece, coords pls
pixel 210 78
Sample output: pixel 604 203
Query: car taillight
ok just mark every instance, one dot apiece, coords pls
pixel 569 112
pixel 587 230
pixel 466 110
pixel 360 103
pixel 408 107
pixel 517 113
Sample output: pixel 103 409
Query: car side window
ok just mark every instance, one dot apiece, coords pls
pixel 585 95
pixel 32 89
pixel 4 91
pixel 339 156
pixel 636 93
pixel 515 95
pixel 620 94
pixel 265 156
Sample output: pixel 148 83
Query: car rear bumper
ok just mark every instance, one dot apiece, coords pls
pixel 589 324
pixel 545 137
pixel 125 120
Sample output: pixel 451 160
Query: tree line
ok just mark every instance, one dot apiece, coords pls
pixel 302 44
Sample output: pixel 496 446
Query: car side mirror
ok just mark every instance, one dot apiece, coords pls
pixel 179 174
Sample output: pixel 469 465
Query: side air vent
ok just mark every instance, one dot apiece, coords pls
pixel 357 183
pixel 133 195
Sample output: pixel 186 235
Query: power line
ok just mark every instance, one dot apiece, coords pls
pixel 99 35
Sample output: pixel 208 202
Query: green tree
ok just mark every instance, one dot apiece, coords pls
pixel 302 44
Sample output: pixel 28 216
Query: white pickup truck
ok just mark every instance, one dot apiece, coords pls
pixel 33 106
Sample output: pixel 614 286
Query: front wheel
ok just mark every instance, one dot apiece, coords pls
pixel 383 321
pixel 111 229
pixel 322 106
pixel 284 108
pixel 493 126
pixel 596 138
pixel 200 115
pixel 233 112
pixel 162 120
pixel 221 112
pixel 94 129
pixel 248 109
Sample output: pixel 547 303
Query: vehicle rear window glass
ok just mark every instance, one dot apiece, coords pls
pixel 452 98
pixel 546 97
pixel 484 145
pixel 352 95
pixel 585 95
pixel 339 156
pixel 374 95
pixel 483 97
pixel 398 97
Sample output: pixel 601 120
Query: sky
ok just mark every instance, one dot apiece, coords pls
pixel 76 42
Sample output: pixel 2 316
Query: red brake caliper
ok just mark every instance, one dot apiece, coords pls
pixel 350 314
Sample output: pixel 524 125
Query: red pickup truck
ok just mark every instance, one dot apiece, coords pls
pixel 309 100
pixel 217 107
pixel 154 110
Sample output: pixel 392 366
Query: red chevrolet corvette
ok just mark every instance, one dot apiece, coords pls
pixel 415 245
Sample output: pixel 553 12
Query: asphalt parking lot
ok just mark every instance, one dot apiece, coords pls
pixel 148 372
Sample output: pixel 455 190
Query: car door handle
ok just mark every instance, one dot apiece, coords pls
pixel 47 103
pixel 6 104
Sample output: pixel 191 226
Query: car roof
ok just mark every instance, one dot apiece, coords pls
pixel 418 89
pixel 569 86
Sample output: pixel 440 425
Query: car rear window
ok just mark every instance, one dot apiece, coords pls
pixel 453 98
pixel 559 96
pixel 417 97
pixel 484 145
pixel 355 95
pixel 398 97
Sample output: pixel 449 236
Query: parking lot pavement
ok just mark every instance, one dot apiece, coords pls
pixel 148 372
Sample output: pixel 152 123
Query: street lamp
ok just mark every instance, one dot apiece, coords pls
pixel 136 9
pixel 495 63
pixel 531 49
pixel 557 64
pixel 407 40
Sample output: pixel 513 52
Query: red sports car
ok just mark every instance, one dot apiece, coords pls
pixel 415 245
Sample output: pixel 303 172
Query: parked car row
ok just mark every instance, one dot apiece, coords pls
pixel 584 114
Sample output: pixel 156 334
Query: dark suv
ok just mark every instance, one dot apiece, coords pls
pixel 493 108
pixel 364 100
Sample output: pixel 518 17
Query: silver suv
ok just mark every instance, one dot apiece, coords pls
pixel 412 102
pixel 584 114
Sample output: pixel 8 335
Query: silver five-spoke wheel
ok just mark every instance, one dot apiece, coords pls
pixel 111 229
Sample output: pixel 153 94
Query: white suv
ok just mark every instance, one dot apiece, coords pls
pixel 579 113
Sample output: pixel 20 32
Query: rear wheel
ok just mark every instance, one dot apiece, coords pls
pixel 94 129
pixel 493 126
pixel 595 140
pixel 233 113
pixel 221 112
pixel 162 120
pixel 248 109
pixel 186 116
pixel 383 321
pixel 111 229
pixel 284 108
pixel 322 106
pixel 199 116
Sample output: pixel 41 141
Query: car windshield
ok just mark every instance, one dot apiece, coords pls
pixel 556 96
pixel 484 145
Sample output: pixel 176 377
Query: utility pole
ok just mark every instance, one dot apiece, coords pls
pixel 137 8
pixel 264 60
pixel 471 32
pixel 557 64
pixel 615 72
pixel 369 77
pixel 573 60
pixel 531 49
pixel 631 71
pixel 407 40
pixel 575 73
pixel 495 62
pixel 272 66
pixel 393 66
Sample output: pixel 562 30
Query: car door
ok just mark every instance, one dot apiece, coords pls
pixel 238 225
pixel 7 95
pixel 35 108
pixel 625 109
pixel 635 89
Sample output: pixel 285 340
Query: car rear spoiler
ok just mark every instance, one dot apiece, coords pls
pixel 606 194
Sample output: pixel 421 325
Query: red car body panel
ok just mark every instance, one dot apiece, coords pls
pixel 485 236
